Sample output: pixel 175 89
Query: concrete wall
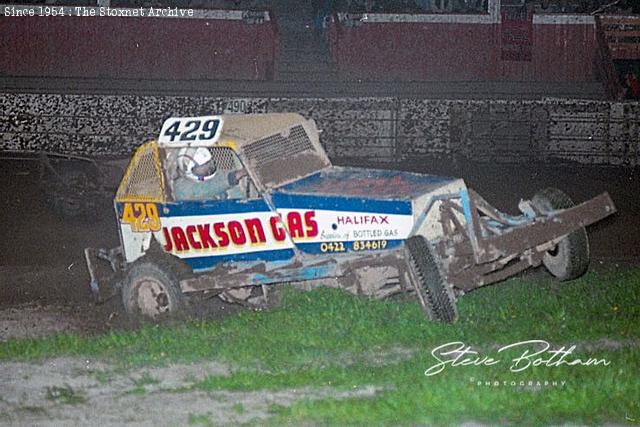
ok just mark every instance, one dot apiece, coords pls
pixel 381 129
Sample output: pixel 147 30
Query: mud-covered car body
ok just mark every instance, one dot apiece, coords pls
pixel 303 220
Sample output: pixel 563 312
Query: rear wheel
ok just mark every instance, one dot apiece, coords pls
pixel 570 258
pixel 152 291
pixel 434 293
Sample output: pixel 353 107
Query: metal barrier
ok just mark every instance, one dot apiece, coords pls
pixel 370 129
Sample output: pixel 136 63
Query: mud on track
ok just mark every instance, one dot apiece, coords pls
pixel 72 391
pixel 44 282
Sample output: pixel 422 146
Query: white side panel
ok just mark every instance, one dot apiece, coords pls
pixel 232 233
pixel 336 226
pixel 134 244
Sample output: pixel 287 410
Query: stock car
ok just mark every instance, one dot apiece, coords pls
pixel 295 218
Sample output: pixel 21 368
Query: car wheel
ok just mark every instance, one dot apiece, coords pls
pixel 152 291
pixel 570 258
pixel 434 293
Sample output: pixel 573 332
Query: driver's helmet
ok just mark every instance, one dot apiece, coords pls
pixel 197 163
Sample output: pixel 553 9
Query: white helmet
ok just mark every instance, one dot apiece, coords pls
pixel 197 163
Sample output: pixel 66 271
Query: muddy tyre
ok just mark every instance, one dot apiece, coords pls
pixel 434 293
pixel 151 292
pixel 570 258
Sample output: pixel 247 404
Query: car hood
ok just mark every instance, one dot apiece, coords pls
pixel 375 184
pixel 344 199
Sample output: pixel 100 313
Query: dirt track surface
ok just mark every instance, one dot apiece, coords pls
pixel 71 391
pixel 44 282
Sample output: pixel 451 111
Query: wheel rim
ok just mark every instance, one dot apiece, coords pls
pixel 557 259
pixel 151 298
pixel 554 252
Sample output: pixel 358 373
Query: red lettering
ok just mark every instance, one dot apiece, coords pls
pixel 384 219
pixel 205 237
pixel 179 239
pixel 237 233
pixel 221 233
pixel 276 229
pixel 167 240
pixel 255 230
pixel 311 224
pixel 191 229
pixel 294 221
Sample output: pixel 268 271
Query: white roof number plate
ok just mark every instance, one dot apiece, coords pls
pixel 190 131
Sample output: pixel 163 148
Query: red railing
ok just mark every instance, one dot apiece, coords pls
pixel 464 47
pixel 214 45
pixel 606 69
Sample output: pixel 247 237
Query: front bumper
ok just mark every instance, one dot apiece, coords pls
pixel 491 246
pixel 106 271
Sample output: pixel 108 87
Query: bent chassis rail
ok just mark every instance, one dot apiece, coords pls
pixel 105 282
pixel 492 246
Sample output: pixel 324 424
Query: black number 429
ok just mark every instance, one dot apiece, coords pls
pixel 191 130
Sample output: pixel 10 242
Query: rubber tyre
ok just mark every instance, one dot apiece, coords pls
pixel 151 292
pixel 570 258
pixel 435 294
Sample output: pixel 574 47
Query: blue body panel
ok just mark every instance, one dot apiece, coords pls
pixel 214 207
pixel 271 256
pixel 370 184
pixel 284 200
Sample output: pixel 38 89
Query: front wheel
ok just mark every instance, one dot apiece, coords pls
pixel 434 293
pixel 570 258
pixel 152 292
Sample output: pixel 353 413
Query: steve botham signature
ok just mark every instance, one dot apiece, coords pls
pixel 532 353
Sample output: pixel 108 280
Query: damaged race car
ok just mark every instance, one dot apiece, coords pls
pixel 231 206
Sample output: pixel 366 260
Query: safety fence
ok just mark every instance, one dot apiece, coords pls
pixel 369 129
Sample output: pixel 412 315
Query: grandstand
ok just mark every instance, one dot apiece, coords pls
pixel 434 48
